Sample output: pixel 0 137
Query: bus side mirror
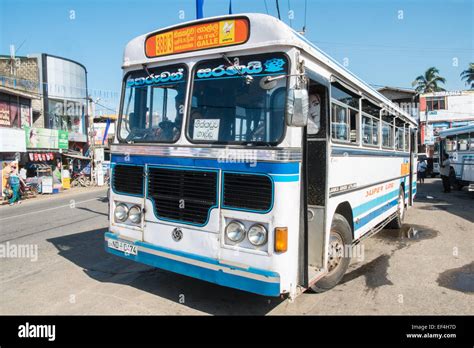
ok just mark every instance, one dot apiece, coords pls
pixel 297 108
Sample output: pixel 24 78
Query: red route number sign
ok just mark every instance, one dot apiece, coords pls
pixel 197 37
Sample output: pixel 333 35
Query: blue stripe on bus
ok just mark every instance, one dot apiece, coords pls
pixel 372 215
pixel 366 152
pixel 214 276
pixel 253 167
pixel 285 178
pixel 361 209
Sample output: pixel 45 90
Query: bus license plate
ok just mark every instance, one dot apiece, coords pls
pixel 127 248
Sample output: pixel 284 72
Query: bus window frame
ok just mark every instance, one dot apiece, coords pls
pixel 467 143
pixel 451 138
pixel 392 125
pixel 373 117
pixel 347 107
pixel 407 143
pixel 371 145
pixel 122 99
pixel 236 143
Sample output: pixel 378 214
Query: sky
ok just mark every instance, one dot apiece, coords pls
pixel 384 42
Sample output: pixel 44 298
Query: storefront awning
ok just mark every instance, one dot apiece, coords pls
pixel 76 156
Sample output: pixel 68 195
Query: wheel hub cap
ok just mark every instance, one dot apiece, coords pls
pixel 335 252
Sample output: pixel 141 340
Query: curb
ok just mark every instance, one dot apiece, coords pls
pixel 40 197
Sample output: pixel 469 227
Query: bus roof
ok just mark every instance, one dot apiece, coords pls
pixel 265 31
pixel 457 130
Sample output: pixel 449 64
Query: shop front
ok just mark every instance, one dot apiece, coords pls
pixel 12 146
pixel 43 160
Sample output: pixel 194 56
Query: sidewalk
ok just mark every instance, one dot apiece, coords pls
pixel 63 193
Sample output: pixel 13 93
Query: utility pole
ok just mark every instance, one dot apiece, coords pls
pixel 91 136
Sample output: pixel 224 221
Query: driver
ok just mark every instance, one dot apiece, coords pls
pixel 169 130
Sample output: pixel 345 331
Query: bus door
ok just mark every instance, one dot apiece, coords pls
pixel 314 191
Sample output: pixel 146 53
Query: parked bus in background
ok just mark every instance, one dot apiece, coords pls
pixel 249 158
pixel 458 143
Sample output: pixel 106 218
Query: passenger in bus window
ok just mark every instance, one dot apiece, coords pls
pixel 314 120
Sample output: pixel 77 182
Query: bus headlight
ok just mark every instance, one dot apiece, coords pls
pixel 235 231
pixel 135 214
pixel 257 235
pixel 121 212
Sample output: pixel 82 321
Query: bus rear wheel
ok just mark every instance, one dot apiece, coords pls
pixel 338 260
pixel 397 222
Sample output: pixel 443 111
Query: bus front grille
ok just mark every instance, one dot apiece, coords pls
pixel 248 192
pixel 182 195
pixel 127 179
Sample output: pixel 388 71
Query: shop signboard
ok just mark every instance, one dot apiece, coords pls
pixel 12 140
pixel 47 184
pixel 429 136
pixel 63 140
pixel 43 138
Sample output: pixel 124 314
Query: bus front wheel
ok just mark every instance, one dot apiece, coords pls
pixel 340 239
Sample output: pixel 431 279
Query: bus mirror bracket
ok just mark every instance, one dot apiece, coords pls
pixel 297 108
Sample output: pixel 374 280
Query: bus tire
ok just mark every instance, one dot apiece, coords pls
pixel 340 236
pixel 397 222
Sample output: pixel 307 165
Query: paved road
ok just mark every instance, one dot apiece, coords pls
pixel 429 272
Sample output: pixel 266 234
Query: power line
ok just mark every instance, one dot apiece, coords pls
pixel 266 7
pixel 105 107
pixel 305 15
pixel 278 9
pixel 393 46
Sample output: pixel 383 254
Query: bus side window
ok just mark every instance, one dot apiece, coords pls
pixel 344 114
pixel 399 134
pixel 450 144
pixel 370 123
pixel 463 142
pixel 472 142
pixel 387 131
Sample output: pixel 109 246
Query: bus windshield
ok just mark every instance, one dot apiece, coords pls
pixel 232 103
pixel 153 104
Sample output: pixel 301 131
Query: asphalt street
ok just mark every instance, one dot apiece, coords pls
pixel 425 268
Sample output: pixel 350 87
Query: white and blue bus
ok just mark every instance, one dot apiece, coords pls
pixel 458 143
pixel 249 158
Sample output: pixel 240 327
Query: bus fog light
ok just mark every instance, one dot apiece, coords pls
pixel 135 214
pixel 235 231
pixel 121 212
pixel 257 235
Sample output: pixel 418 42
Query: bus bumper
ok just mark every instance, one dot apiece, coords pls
pixel 250 279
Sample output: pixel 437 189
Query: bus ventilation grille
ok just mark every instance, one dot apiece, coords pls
pixel 128 179
pixel 248 192
pixel 182 195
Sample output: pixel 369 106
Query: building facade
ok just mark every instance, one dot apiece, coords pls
pixel 43 110
pixel 443 110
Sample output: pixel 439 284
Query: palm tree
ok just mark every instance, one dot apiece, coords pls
pixel 468 75
pixel 429 82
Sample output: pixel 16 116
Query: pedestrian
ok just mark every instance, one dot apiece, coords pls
pixel 14 184
pixel 444 170
pixel 422 171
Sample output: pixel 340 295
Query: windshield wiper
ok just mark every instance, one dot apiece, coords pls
pixel 248 78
